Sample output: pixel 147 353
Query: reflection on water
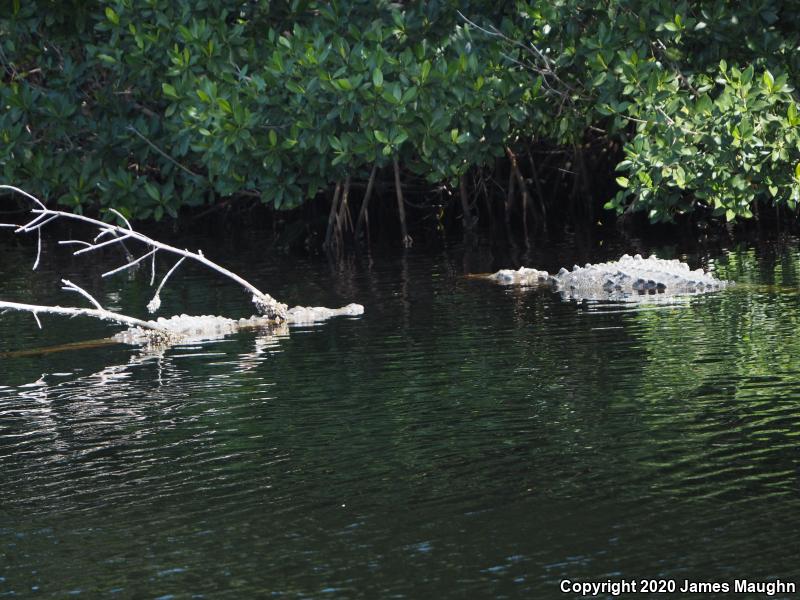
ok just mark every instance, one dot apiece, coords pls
pixel 458 440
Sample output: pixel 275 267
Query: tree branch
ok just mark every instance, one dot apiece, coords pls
pixel 71 311
pixel 265 303
pixel 71 287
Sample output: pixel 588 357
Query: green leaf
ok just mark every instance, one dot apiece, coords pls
pixel 704 104
pixel 152 191
pixel 344 84
pixel 225 105
pixel 797 170
pixel 377 77
pixel 389 97
pixel 400 138
pixel 381 137
pixel 409 95
pixel 747 74
pixel 453 135
pixel 273 138
pixel 293 87
pixel 426 69
pixel 623 182
pixel 730 215
pixel 169 90
pixel 680 177
pixel 769 80
pixel 112 16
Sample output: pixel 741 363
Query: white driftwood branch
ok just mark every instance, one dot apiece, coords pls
pixel 71 287
pixel 129 264
pixel 38 248
pixel 74 242
pixel 72 311
pixel 121 216
pixel 264 302
pixel 90 247
pixel 155 303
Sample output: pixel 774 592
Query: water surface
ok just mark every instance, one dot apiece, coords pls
pixel 459 440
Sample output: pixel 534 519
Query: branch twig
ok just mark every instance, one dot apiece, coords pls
pixel 130 264
pixel 155 303
pixel 71 311
pixel 71 287
pixel 162 153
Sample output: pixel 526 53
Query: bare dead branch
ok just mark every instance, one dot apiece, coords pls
pixel 40 224
pixel 71 311
pixel 121 216
pixel 24 193
pixel 130 264
pixel 38 248
pixel 92 247
pixel 71 287
pixel 73 242
pixel 155 303
pixel 265 304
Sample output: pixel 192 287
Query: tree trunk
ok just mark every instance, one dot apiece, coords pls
pixel 523 188
pixel 512 180
pixel 363 214
pixel 343 219
pixel 332 216
pixel 407 241
pixel 466 214
pixel 539 193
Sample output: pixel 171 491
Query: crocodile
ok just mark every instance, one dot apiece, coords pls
pixel 189 328
pixel 630 278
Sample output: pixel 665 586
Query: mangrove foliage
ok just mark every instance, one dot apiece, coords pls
pixel 514 110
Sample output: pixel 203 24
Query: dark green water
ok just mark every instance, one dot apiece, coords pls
pixel 458 440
